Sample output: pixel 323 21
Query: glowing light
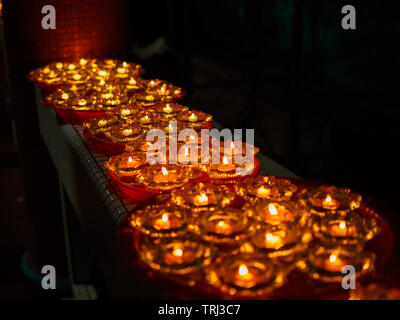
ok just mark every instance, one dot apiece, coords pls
pixel 342 225
pixel 130 159
pixel 243 271
pixel 177 252
pixel 272 210
pixel 164 171
pixel 332 258
pixel 65 96
pixel 193 117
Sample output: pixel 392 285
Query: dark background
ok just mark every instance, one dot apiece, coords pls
pixel 323 101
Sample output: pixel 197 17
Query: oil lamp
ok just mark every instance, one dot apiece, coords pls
pixel 202 196
pixel 345 229
pixel 227 169
pixel 166 177
pixel 222 226
pixel 101 124
pixel 326 199
pixel 244 275
pixel 169 110
pixel 232 148
pixel 124 133
pixel 264 187
pixel 175 255
pixel 326 262
pixel 126 164
pixel 159 221
pixel 272 212
pixel 194 118
pixel 279 241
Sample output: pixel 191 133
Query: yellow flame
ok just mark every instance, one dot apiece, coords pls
pixel 76 76
pixel 71 67
pixel 167 108
pixel 130 159
pixel 243 270
pixel 83 61
pixel 178 252
pixel 332 258
pixel 225 160
pixel 164 171
pixel 270 237
pixel 121 70
pixel 272 209
pixel 124 64
pixel 342 225
pixel 82 102
pixel 152 83
pixel 132 81
pixel 328 199
pixel 164 217
pixel 193 117
pixel 65 96
pixel 59 65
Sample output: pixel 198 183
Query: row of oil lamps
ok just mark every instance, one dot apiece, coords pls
pixel 245 239
pixel 242 238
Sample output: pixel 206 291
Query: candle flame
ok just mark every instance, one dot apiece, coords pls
pixel 328 199
pixel 272 210
pixel 271 237
pixel 243 270
pixel 203 197
pixel 65 96
pixel 121 70
pixel 76 76
pixel 221 224
pixel 71 67
pixel 167 108
pixel 124 64
pixel 102 73
pixel 127 132
pixel 186 152
pixel 164 171
pixel 101 82
pixel 332 258
pixel 342 225
pixel 162 89
pixel 261 191
pixel 130 159
pixel 232 145
pixel 225 160
pixel 83 61
pixel 164 217
pixel 125 112
pixel 152 83
pixel 192 117
pixel 46 70
pixel 177 252
pixel 150 97
pixel 59 65
pixel 132 81
pixel 82 102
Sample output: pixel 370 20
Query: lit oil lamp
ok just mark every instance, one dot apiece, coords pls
pixel 232 148
pixel 124 133
pixel 176 256
pixel 325 263
pixel 194 118
pixel 330 198
pixel 345 229
pixel 166 177
pixel 202 196
pixel 227 226
pixel 271 212
pixel 263 187
pixel 161 221
pixel 169 110
pixel 244 275
pixel 228 169
pixel 126 164
pixel 101 124
pixel 279 241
